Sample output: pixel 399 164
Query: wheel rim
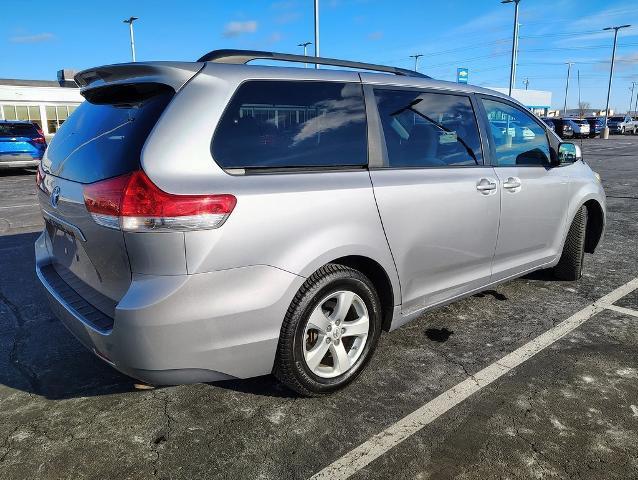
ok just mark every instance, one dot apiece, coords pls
pixel 336 333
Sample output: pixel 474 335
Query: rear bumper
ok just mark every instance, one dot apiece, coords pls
pixel 184 328
pixel 18 160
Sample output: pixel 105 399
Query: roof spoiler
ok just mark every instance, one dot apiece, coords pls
pixel 173 74
pixel 245 56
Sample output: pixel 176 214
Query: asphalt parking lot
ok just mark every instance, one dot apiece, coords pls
pixel 569 411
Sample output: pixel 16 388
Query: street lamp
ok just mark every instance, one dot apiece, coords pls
pixel 631 97
pixel 416 60
pixel 514 44
pixel 130 21
pixel 569 67
pixel 305 54
pixel 611 74
pixel 316 31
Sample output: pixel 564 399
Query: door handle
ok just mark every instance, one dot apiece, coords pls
pixel 512 183
pixel 486 185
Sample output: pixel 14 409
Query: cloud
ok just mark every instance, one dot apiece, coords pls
pixel 36 38
pixel 287 17
pixel 378 35
pixel 234 29
pixel 274 37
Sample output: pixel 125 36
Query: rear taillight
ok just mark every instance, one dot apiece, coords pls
pixel 135 204
pixel 39 140
pixel 39 177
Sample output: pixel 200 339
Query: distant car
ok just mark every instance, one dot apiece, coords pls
pixel 22 144
pixel 596 125
pixel 620 124
pixel 549 122
pixel 563 128
pixel 580 126
pixel 632 126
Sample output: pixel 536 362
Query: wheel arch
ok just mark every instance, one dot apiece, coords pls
pixel 380 279
pixel 595 224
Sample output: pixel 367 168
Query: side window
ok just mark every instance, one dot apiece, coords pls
pixel 428 129
pixel 518 139
pixel 279 124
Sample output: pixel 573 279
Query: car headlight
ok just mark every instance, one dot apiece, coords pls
pixel 597 177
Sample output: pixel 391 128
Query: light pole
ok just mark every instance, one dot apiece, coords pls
pixel 611 74
pixel 130 21
pixel 305 52
pixel 636 105
pixel 569 67
pixel 514 44
pixel 416 60
pixel 631 98
pixel 526 83
pixel 316 31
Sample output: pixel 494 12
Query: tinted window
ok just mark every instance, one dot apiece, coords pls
pixel 270 124
pixel 104 136
pixel 17 130
pixel 518 139
pixel 428 129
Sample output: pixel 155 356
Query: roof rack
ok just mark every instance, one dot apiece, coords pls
pixel 245 56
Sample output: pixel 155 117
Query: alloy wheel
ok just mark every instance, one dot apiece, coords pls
pixel 335 334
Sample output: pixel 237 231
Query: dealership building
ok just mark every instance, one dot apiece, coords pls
pixel 538 101
pixel 45 102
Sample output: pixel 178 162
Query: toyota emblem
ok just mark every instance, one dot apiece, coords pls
pixel 55 197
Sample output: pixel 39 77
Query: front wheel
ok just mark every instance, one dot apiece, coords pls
pixel 570 265
pixel 330 331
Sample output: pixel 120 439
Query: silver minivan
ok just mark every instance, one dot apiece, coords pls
pixel 214 220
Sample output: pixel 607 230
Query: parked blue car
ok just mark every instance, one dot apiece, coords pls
pixel 596 125
pixel 22 144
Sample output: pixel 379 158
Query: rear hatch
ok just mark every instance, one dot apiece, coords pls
pixel 102 139
pixel 20 139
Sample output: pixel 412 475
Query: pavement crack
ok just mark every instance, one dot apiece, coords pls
pixel 18 338
pixel 164 433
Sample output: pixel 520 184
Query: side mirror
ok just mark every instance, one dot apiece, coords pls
pixel 568 153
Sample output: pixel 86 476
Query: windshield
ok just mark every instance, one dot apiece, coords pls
pixel 104 136
pixel 17 130
pixel 617 119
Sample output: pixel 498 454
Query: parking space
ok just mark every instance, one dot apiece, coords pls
pixel 570 411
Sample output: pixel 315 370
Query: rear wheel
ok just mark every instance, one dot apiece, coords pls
pixel 329 332
pixel 570 265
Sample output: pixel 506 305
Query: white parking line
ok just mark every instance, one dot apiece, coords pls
pixel 626 311
pixel 359 457
pixel 16 206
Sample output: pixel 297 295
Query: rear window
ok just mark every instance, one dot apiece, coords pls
pixel 275 124
pixel 617 119
pixel 17 130
pixel 104 137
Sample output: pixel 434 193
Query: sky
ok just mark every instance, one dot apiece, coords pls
pixel 42 37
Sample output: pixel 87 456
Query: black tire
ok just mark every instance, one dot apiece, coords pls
pixel 290 366
pixel 570 265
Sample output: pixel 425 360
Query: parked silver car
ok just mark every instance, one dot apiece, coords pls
pixel 215 220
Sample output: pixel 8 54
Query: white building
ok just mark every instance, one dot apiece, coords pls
pixel 538 101
pixel 45 102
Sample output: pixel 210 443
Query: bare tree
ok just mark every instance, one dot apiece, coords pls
pixel 582 106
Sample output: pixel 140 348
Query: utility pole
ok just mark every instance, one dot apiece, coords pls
pixel 581 113
pixel 130 21
pixel 611 74
pixel 514 45
pixel 636 105
pixel 316 31
pixel 526 83
pixel 569 67
pixel 631 98
pixel 416 60
pixel 305 53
